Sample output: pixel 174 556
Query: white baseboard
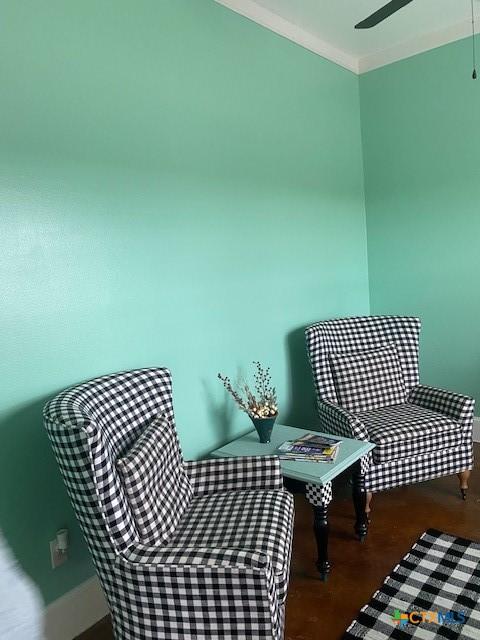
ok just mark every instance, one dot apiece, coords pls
pixel 476 429
pixel 76 611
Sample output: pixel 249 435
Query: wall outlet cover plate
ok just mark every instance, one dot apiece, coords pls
pixel 57 558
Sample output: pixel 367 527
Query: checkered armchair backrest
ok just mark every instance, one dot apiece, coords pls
pixel 90 426
pixel 361 334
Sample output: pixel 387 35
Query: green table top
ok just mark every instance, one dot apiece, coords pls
pixel 313 472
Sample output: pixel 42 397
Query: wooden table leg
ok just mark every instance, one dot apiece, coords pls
pixel 359 494
pixel 321 528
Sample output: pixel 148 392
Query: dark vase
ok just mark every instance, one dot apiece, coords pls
pixel 264 427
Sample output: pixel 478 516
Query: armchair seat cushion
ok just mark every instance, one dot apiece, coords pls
pixel 253 520
pixel 406 430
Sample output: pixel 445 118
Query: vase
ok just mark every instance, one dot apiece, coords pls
pixel 264 427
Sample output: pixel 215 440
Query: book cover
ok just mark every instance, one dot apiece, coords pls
pixel 318 441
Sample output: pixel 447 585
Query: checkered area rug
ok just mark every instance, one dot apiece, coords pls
pixel 433 593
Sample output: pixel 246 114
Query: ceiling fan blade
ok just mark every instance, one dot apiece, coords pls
pixel 382 14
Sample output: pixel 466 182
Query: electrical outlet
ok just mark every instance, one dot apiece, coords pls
pixel 57 557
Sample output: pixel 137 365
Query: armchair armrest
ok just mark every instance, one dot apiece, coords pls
pixel 234 474
pixel 341 422
pixel 454 405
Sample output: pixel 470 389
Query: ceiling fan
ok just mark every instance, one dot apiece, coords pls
pixel 382 14
pixel 395 5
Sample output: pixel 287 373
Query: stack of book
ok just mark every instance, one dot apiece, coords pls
pixel 311 447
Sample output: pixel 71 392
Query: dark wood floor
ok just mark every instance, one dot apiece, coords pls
pixel 323 611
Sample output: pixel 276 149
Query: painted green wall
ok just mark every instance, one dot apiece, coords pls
pixel 421 140
pixel 179 187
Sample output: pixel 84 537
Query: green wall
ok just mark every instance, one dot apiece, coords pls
pixel 179 187
pixel 421 141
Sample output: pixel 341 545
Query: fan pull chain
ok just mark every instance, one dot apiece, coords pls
pixel 474 74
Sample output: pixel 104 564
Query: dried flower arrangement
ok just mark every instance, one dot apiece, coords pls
pixel 259 404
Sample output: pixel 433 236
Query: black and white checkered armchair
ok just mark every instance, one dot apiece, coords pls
pixel 183 550
pixel 367 384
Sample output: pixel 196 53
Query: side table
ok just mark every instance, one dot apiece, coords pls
pixel 317 477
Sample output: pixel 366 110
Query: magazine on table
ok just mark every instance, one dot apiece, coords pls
pixel 311 447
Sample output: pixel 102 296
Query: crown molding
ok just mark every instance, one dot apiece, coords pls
pixel 358 65
pixel 416 45
pixel 287 29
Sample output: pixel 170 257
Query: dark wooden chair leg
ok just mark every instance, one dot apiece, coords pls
pixel 321 529
pixel 463 476
pixel 359 494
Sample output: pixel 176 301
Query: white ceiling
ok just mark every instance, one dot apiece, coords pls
pixel 327 27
